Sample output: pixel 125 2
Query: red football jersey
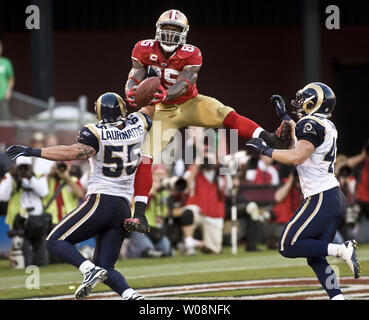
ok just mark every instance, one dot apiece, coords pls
pixel 148 53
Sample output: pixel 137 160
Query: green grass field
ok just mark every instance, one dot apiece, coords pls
pixel 58 279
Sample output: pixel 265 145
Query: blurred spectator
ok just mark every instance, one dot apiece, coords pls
pixel 288 198
pixel 264 173
pixel 154 243
pixel 7 81
pixel 5 162
pixel 349 225
pixel 205 206
pixel 249 215
pixel 65 190
pixel 40 165
pixel 23 190
pixel 360 166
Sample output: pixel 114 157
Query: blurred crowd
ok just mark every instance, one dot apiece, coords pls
pixel 192 208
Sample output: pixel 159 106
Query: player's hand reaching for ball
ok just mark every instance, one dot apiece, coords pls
pixel 260 146
pixel 280 107
pixel 131 97
pixel 160 95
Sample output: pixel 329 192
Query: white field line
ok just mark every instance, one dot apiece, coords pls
pixel 163 293
pixel 296 263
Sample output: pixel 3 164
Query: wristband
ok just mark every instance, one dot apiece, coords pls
pixel 138 82
pixel 268 152
pixel 34 152
pixel 188 83
pixel 140 208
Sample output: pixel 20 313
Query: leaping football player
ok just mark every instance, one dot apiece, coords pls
pixel 113 147
pixel 178 103
pixel 310 232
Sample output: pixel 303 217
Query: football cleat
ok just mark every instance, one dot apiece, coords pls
pixel 134 224
pixel 281 138
pixel 91 279
pixel 348 254
pixel 131 294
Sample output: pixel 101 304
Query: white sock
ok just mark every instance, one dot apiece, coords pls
pixel 338 297
pixel 334 249
pixel 127 292
pixel 86 266
pixel 257 132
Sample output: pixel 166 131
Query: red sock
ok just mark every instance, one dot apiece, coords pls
pixel 245 126
pixel 143 180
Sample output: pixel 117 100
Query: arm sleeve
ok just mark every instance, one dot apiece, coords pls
pixel 89 137
pixel 10 70
pixel 137 53
pixel 195 59
pixel 310 130
pixel 147 121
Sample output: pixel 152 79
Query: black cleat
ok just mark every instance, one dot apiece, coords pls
pixel 134 224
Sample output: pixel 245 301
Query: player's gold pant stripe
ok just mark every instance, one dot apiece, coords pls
pixel 72 214
pixel 80 222
pixel 293 221
pixel 309 219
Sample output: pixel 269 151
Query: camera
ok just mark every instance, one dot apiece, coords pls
pixel 62 166
pixel 24 170
pixel 175 183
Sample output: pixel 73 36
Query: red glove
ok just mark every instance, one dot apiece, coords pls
pixel 160 95
pixel 131 98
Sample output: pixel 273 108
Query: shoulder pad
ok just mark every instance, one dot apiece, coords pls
pixel 308 128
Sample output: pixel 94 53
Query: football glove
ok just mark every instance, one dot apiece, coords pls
pixel 160 95
pixel 16 151
pixel 259 145
pixel 138 222
pixel 131 98
pixel 280 107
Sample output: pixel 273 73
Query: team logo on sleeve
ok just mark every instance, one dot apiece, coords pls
pixel 308 128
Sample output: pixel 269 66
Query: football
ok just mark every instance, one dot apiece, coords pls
pixel 145 91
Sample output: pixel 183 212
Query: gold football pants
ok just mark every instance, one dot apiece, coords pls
pixel 201 111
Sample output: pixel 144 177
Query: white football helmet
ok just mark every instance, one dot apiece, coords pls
pixel 171 39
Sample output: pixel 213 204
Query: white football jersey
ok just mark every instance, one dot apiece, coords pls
pixel 317 172
pixel 118 153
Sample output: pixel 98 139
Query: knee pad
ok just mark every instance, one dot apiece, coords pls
pixel 187 217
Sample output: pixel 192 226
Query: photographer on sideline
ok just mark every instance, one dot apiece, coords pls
pixel 205 206
pixel 288 198
pixel 23 191
pixel 154 243
pixel 360 166
pixel 64 192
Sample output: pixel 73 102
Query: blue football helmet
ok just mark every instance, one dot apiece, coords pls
pixel 110 108
pixel 315 98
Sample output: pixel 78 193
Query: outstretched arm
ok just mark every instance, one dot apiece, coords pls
pixel 292 157
pixel 77 151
